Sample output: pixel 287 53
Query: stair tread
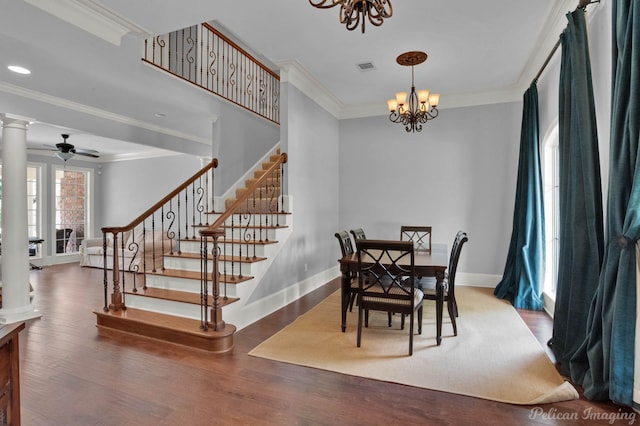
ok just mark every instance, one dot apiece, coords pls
pixel 195 275
pixel 178 296
pixel 265 213
pixel 240 259
pixel 237 241
pixel 249 226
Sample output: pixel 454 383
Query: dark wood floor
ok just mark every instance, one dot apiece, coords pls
pixel 73 375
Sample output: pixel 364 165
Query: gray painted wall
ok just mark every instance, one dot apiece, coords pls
pixel 241 138
pixel 458 173
pixel 312 145
pixel 129 188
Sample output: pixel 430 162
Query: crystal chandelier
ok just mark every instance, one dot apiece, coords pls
pixel 419 107
pixel 351 11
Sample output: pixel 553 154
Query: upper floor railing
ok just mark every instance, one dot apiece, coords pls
pixel 205 57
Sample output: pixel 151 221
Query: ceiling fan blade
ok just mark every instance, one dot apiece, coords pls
pixel 87 153
pixel 43 149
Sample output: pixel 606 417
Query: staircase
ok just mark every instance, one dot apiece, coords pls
pixel 167 303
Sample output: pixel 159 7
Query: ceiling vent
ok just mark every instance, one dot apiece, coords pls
pixel 367 66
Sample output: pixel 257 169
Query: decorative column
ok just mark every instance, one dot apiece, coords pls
pixel 16 304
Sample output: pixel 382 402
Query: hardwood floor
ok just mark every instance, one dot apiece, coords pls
pixel 73 375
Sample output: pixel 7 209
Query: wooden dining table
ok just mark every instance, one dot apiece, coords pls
pixel 426 264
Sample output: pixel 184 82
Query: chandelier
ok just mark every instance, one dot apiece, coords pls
pixel 351 11
pixel 419 107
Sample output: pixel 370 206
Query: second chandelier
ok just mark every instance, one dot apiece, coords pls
pixel 418 108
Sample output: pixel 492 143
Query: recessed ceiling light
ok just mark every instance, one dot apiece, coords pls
pixel 19 69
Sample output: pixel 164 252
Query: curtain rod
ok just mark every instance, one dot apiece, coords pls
pixel 582 4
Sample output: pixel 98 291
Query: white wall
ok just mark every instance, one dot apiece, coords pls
pixel 458 173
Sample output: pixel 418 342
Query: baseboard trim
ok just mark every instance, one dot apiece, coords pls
pixel 477 280
pixel 259 309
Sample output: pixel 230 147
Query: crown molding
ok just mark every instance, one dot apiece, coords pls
pixel 96 112
pixel 92 17
pixel 145 155
pixel 293 72
pixel 555 23
pixel 456 100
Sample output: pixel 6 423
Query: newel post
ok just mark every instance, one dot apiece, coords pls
pixel 216 309
pixel 116 297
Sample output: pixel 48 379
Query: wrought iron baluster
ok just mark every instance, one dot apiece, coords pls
pixel 186 214
pixel 193 211
pixel 204 283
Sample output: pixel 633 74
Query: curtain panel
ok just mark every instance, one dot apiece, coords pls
pixel 604 365
pixel 581 235
pixel 524 268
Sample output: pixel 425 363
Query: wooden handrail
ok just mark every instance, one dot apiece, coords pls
pixel 114 229
pixel 240 49
pixel 214 228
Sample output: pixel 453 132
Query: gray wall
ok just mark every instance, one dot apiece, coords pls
pixel 129 188
pixel 240 138
pixel 458 173
pixel 311 143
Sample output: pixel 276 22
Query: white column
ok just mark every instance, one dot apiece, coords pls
pixel 16 304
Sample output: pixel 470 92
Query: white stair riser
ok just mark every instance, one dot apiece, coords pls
pixel 272 219
pixel 188 285
pixel 188 264
pixel 227 249
pixel 251 234
pixel 169 307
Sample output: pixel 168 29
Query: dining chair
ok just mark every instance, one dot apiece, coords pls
pixel 347 249
pixel 428 285
pixel 390 285
pixel 420 235
pixel 358 234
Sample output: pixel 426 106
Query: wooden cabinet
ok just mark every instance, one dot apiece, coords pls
pixel 10 375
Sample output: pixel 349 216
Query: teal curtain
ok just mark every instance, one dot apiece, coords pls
pixel 604 365
pixel 524 269
pixel 581 235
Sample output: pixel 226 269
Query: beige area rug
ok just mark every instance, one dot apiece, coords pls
pixel 495 356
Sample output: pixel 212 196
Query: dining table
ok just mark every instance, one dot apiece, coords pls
pixel 426 264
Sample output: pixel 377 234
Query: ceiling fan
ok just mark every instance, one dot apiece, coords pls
pixel 64 150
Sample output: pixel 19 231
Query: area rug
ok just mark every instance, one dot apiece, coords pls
pixel 494 356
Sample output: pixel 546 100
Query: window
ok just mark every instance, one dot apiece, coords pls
pixel 71 208
pixel 34 211
pixel 551 180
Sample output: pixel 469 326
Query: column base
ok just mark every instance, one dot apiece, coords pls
pixel 10 316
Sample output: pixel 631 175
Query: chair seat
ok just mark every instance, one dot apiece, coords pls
pixel 418 295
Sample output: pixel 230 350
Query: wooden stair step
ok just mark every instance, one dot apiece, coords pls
pixel 239 259
pixel 237 241
pixel 265 227
pixel 168 328
pixel 179 296
pixel 195 275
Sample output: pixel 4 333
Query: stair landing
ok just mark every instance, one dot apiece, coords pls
pixel 168 328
